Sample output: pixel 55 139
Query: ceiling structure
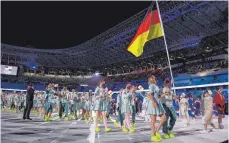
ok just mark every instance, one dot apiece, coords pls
pixel 185 24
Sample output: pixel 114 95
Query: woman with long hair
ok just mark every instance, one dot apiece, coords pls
pixel 99 97
pixel 184 109
pixel 77 105
pixel 208 111
pixel 155 108
pixel 127 108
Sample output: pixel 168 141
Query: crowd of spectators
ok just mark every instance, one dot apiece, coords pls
pixel 40 79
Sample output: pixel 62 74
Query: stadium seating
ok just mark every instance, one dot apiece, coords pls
pixel 179 81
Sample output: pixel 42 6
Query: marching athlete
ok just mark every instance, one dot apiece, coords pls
pixel 184 109
pixel 49 101
pixel 127 108
pixel 220 104
pixel 208 111
pixel 155 108
pixel 64 103
pixel 99 97
pixel 167 102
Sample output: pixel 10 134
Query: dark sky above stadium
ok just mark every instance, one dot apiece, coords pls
pixel 56 25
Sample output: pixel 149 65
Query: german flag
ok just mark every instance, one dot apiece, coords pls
pixel 149 29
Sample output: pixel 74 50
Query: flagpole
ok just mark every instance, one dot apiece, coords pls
pixel 166 47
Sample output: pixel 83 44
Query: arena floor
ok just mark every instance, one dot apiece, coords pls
pixel 16 130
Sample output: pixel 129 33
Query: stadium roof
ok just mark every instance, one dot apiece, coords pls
pixel 185 24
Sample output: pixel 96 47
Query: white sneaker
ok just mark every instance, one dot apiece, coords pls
pixel 204 132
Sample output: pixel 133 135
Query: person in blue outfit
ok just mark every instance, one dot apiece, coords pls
pixel 64 103
pixel 49 101
pixel 155 108
pixel 127 107
pixel 77 101
pixel 167 99
pixel 98 101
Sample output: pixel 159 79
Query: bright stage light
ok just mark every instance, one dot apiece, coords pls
pixel 96 74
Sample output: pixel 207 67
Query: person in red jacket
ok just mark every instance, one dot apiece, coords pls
pixel 220 104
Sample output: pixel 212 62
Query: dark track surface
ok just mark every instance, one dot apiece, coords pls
pixel 16 130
